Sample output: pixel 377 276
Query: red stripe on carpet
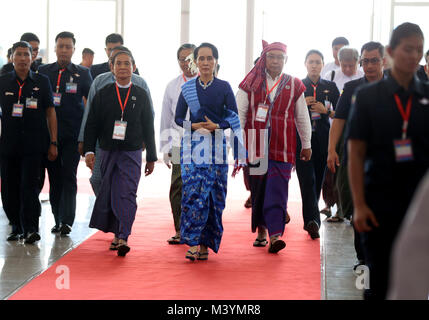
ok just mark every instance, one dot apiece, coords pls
pixel 154 270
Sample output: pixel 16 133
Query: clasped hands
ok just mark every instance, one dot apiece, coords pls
pixel 209 125
pixel 316 106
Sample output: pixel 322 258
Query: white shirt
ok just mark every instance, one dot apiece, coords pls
pixel 171 133
pixel 302 118
pixel 328 68
pixel 340 78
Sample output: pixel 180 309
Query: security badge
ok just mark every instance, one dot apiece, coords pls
pixel 57 99
pixel 261 114
pixel 403 150
pixel 17 111
pixel 71 87
pixel 31 103
pixel 119 130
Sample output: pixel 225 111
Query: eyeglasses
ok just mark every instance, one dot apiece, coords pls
pixel 183 60
pixel 276 57
pixel 372 61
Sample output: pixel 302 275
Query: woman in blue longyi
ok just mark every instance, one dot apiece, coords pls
pixel 204 162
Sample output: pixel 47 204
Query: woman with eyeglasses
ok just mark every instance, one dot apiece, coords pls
pixel 321 97
pixel 204 166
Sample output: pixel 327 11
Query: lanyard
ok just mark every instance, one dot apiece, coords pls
pixel 120 101
pixel 59 79
pixel 20 90
pixel 275 85
pixel 405 114
pixel 314 90
pixel 184 78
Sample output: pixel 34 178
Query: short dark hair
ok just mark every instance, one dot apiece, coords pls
pixel 206 45
pixel 9 53
pixel 372 45
pixel 403 31
pixel 65 35
pixel 340 40
pixel 28 36
pixel 314 51
pixel 427 55
pixel 114 38
pixel 185 46
pixel 22 44
pixel 127 52
pixel 87 51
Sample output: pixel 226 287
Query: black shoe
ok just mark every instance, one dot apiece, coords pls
pixel 276 246
pixel 313 229
pixel 65 229
pixel 32 238
pixel 123 249
pixel 55 229
pixel 14 236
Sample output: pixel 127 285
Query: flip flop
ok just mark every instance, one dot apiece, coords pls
pixel 260 242
pixel 174 240
pixel 191 255
pixel 114 246
pixel 203 256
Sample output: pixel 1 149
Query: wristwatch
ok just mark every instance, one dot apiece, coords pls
pixel 54 143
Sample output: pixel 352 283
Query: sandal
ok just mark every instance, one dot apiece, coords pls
pixel 276 246
pixel 123 248
pixel 260 242
pixel 203 255
pixel 114 244
pixel 191 255
pixel 335 219
pixel 174 240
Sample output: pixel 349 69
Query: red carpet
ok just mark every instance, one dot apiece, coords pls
pixel 154 270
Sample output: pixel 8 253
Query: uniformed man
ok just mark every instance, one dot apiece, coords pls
pixel 34 41
pixel 372 61
pixel 388 152
pixel 71 85
pixel 112 41
pixel 26 101
pixel 87 57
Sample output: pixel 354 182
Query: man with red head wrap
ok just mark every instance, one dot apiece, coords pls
pixel 272 109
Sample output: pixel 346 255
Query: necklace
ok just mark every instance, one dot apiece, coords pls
pixel 205 86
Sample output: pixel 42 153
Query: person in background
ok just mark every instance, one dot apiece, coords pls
pixel 321 97
pixel 337 44
pixel 112 40
pixel 171 134
pixel 34 41
pixel 87 58
pixel 121 119
pixel 388 154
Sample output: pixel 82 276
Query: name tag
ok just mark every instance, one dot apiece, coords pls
pixel 261 114
pixel 31 103
pixel 17 110
pixel 315 116
pixel 71 87
pixel 403 150
pixel 119 130
pixel 328 104
pixel 57 99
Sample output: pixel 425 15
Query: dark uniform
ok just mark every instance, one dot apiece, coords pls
pixel 22 145
pixel 342 179
pixel 389 184
pixel 97 69
pixel 311 173
pixel 73 84
pixel 8 67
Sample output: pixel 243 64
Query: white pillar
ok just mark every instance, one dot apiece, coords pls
pixel 185 21
pixel 250 32
pixel 119 25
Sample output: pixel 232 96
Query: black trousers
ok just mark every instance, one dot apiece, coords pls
pixel 63 182
pixel 20 191
pixel 310 175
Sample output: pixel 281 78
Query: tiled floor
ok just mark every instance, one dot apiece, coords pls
pixel 19 263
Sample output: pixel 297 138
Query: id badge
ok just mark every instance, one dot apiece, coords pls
pixel 57 99
pixel 71 87
pixel 119 130
pixel 403 150
pixel 315 116
pixel 328 104
pixel 18 110
pixel 261 114
pixel 31 103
